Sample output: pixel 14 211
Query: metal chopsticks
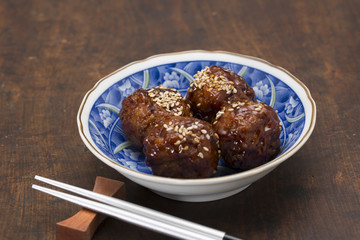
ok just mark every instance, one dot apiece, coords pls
pixel 135 214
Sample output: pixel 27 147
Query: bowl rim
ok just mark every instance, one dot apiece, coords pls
pixel 200 54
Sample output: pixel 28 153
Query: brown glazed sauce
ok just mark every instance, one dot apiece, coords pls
pixel 212 88
pixel 249 133
pixel 182 147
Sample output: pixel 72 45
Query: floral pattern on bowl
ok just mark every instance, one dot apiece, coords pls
pixel 105 126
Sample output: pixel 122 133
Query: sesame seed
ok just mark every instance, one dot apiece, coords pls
pixel 206 149
pixel 177 142
pixel 205 77
pixel 186 147
pixel 208 136
pixel 166 98
pixel 203 131
pixel 201 155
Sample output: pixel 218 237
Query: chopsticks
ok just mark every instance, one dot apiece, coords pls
pixel 132 213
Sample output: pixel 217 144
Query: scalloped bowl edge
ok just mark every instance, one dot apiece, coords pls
pixel 197 190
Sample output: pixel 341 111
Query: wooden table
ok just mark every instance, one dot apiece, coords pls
pixel 52 52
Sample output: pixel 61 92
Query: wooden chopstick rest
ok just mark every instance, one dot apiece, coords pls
pixel 83 224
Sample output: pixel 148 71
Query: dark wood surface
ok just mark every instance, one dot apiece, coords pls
pixel 53 52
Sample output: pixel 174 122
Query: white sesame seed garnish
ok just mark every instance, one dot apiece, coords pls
pixel 208 136
pixel 206 149
pixel 177 142
pixel 201 155
pixel 205 77
pixel 203 131
pixel 170 99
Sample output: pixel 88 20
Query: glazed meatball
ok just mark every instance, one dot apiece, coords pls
pixel 249 133
pixel 182 147
pixel 214 86
pixel 144 108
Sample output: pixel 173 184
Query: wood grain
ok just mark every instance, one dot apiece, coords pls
pixel 52 52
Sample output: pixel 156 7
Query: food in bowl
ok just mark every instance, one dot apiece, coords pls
pixel 212 87
pixel 249 133
pixel 182 147
pixel 245 132
pixel 101 131
pixel 145 107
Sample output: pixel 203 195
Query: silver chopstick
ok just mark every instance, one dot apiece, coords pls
pixel 135 208
pixel 135 214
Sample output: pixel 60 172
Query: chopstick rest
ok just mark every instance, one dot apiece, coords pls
pixel 83 224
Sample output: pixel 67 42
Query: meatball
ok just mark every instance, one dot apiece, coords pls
pixel 214 86
pixel 144 108
pixel 248 132
pixel 182 147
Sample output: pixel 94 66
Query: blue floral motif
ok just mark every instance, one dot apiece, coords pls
pixel 291 105
pixel 261 90
pixel 171 80
pixel 105 126
pixel 126 89
pixel 106 117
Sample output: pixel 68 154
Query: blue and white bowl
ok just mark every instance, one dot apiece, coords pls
pixel 100 127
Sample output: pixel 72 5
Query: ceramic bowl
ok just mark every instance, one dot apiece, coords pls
pixel 100 127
